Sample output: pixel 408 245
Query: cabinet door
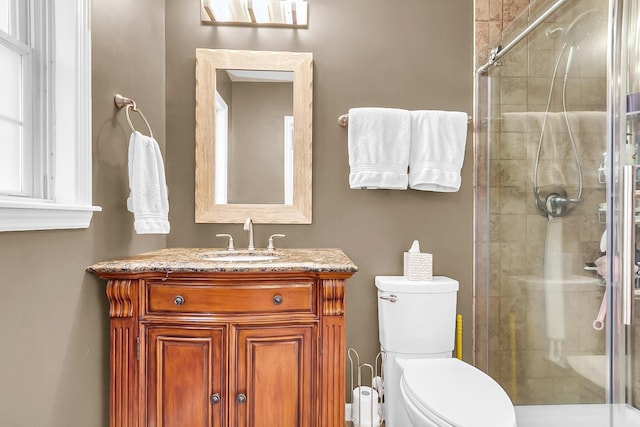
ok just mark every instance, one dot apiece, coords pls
pixel 185 383
pixel 273 376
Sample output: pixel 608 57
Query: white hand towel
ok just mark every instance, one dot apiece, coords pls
pixel 148 198
pixel 379 148
pixel 438 140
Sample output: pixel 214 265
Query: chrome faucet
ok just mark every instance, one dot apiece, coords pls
pixel 248 226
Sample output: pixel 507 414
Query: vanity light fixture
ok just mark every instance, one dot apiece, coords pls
pixel 272 13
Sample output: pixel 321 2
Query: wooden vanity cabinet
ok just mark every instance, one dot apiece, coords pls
pixel 218 349
pixel 239 350
pixel 270 382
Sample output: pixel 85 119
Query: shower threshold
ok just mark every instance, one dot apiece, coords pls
pixel 587 415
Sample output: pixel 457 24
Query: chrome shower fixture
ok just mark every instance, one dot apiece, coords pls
pixel 579 29
pixel 553 200
pixel 582 27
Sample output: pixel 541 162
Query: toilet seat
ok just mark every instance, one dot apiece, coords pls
pixel 450 392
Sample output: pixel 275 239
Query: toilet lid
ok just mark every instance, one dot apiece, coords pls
pixel 458 393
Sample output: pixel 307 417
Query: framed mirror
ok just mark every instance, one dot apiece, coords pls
pixel 253 136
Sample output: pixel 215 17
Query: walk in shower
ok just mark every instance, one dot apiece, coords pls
pixel 555 138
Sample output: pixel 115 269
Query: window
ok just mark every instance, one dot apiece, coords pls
pixel 45 115
pixel 17 72
pixel 222 146
pixel 288 160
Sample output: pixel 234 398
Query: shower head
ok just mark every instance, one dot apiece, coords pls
pixel 553 33
pixel 582 27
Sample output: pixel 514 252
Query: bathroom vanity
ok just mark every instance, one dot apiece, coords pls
pixel 207 337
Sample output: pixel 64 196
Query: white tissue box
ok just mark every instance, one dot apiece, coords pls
pixel 418 266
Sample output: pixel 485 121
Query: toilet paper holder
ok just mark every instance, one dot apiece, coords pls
pixel 366 404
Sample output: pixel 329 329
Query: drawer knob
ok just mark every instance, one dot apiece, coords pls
pixel 178 300
pixel 241 398
pixel 277 300
pixel 215 398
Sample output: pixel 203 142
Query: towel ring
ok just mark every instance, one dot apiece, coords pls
pixel 130 104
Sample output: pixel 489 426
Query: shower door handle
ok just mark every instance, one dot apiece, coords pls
pixel 628 242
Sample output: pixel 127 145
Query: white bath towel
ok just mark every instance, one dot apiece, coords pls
pixel 148 198
pixel 438 140
pixel 379 148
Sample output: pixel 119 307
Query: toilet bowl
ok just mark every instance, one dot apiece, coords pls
pixel 452 393
pixel 424 386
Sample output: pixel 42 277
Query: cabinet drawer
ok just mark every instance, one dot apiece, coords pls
pixel 230 299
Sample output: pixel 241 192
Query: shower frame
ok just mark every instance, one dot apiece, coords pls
pixel 619 387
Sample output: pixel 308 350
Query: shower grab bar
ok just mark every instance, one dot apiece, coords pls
pixel 628 243
pixel 343 120
pixel 499 51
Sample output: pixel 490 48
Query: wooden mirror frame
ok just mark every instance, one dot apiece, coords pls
pixel 207 63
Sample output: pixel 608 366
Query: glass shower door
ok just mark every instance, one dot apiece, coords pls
pixel 554 292
pixel 625 197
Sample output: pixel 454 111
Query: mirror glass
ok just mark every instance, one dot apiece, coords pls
pixel 258 117
pixel 253 136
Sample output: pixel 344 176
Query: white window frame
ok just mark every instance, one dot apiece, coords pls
pixel 67 203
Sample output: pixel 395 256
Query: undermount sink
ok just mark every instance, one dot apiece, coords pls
pixel 239 257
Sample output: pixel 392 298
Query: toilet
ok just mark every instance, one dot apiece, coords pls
pixel 423 385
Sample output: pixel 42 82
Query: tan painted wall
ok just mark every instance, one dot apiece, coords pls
pixel 53 316
pixel 366 53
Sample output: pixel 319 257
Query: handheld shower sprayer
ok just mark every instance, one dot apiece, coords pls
pixel 553 199
pixel 582 27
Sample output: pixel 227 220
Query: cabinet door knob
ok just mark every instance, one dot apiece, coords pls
pixel 241 398
pixel 277 300
pixel 178 300
pixel 215 398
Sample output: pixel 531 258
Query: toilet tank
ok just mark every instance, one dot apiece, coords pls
pixel 417 317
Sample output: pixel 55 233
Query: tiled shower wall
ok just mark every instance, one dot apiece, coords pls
pixel 491 17
pixel 511 341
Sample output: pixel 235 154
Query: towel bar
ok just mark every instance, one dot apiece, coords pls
pixel 343 120
pixel 129 104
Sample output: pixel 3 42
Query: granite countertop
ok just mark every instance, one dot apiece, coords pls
pixel 178 260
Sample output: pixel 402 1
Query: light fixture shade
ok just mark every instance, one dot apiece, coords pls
pixel 274 13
